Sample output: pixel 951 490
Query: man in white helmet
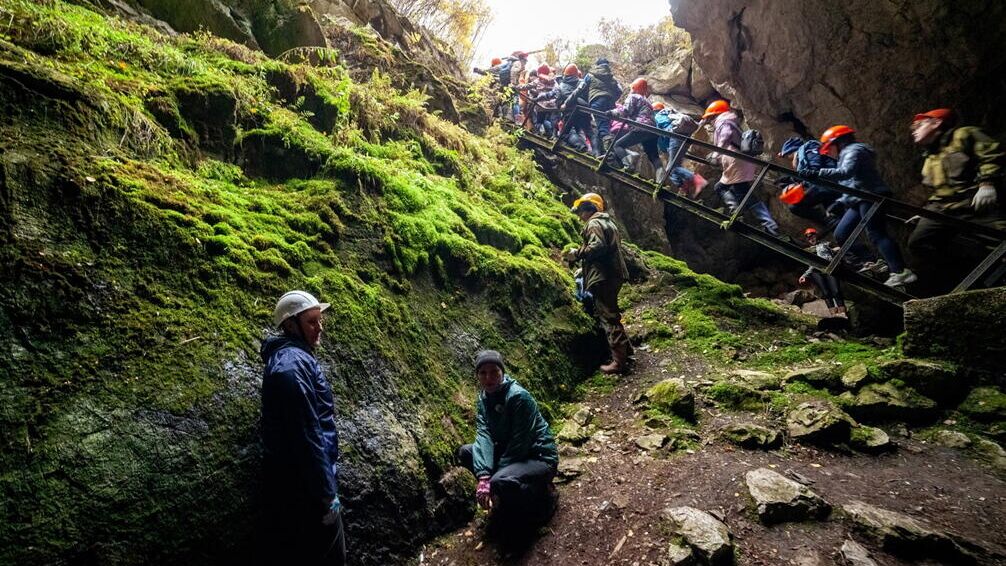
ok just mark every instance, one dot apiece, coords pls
pixel 301 444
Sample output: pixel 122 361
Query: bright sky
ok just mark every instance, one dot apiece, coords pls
pixel 528 24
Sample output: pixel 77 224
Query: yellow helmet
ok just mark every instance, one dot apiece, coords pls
pixel 591 198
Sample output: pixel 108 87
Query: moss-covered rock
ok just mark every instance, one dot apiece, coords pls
pixel 144 242
pixel 985 404
pixel 869 439
pixel 856 376
pixel 749 435
pixel 819 422
pixel 671 397
pixel 736 396
pixel 821 377
pixel 936 380
pixel 889 401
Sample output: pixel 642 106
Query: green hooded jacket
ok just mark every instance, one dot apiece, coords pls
pixel 601 252
pixel 508 429
pixel 602 83
pixel 960 160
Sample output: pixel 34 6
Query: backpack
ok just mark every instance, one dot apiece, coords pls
pixel 504 72
pixel 683 124
pixel 752 143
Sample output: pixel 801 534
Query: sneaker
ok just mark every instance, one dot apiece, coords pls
pixel 899 279
pixel 880 267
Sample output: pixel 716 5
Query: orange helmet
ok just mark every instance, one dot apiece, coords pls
pixel 717 107
pixel 571 70
pixel 496 61
pixel 639 86
pixel 831 134
pixel 792 194
pixel 658 106
pixel 810 231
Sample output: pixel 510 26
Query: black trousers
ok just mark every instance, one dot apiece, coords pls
pixel 298 536
pixel 522 490
pixel 943 258
pixel 830 290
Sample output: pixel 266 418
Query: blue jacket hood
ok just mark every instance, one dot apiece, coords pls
pixel 273 344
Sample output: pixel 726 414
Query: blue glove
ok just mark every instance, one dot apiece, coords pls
pixel 333 512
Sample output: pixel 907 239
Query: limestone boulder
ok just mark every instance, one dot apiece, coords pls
pixel 854 554
pixel 855 377
pixel 758 380
pixel 819 422
pixel 935 380
pixel 709 538
pixel 880 402
pixel 750 435
pixel 870 439
pixel 779 499
pixel 951 439
pixel 821 377
pixel 651 442
pixel 913 538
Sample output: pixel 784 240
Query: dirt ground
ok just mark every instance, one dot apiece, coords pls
pixel 611 513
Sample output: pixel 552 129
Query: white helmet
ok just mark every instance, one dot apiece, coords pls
pixel 294 303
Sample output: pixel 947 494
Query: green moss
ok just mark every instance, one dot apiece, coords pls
pixel 736 396
pixel 180 195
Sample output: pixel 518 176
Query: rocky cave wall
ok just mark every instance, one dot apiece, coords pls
pixel 800 67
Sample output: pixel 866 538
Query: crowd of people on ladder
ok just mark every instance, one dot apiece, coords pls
pixel 513 456
pixel 963 168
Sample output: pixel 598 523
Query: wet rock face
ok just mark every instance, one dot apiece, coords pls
pixel 804 66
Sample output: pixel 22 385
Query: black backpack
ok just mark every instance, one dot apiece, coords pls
pixel 752 143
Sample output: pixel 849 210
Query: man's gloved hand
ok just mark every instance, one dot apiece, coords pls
pixel 482 493
pixel 803 281
pixel 808 173
pixel 333 512
pixel 985 199
pixel 572 256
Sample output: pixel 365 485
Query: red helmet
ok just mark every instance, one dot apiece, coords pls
pixel 639 86
pixel 571 70
pixel 792 194
pixel 544 70
pixel 717 107
pixel 658 106
pixel 831 134
pixel 496 61
pixel 938 113
pixel 810 231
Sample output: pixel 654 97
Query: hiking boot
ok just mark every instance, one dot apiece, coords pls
pixel 903 278
pixel 614 366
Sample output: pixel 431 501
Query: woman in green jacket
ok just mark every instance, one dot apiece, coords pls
pixel 514 456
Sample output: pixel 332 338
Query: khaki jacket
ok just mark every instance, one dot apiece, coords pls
pixel 601 252
pixel 958 162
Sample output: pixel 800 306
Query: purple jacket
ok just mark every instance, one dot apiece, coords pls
pixel 727 128
pixel 637 107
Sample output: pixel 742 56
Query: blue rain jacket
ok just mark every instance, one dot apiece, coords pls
pixel 857 169
pixel 301 444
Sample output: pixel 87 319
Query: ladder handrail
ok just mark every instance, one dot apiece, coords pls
pixel 790 250
pixel 891 203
